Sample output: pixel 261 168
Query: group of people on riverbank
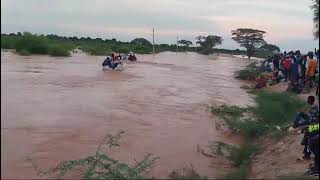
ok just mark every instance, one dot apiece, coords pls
pixel 300 70
pixel 302 74
pixel 117 59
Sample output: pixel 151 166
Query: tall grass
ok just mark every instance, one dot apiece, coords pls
pixel 276 109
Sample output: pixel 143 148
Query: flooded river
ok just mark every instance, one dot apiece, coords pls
pixel 55 109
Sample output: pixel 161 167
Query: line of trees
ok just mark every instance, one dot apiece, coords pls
pixel 27 43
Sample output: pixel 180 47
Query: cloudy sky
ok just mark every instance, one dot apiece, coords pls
pixel 288 23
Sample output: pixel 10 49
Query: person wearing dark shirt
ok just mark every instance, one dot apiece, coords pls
pixel 312 132
pixel 311 118
pixel 276 60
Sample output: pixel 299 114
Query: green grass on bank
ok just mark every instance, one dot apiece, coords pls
pixel 239 156
pixel 272 109
pixel 249 72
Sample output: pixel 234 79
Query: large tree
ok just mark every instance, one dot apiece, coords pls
pixel 141 41
pixel 209 42
pixel 185 43
pixel 251 39
pixel 315 8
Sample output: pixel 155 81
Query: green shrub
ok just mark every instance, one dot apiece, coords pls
pixel 8 42
pixel 123 50
pixel 250 72
pixel 272 109
pixel 276 109
pixel 225 111
pixel 100 165
pixel 140 49
pixel 238 155
pixel 243 155
pixel 251 129
pixel 24 52
pixel 57 50
pixel 33 44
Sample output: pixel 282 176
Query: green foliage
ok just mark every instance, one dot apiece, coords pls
pixel 238 155
pixel 251 39
pixel 276 109
pixel 266 51
pixel 271 48
pixel 27 43
pixel 225 111
pixel 101 166
pixel 249 72
pixel 271 110
pixel 8 42
pixel 207 43
pixel 187 173
pixel 24 52
pixel 243 155
pixel 32 43
pixel 141 41
pixel 139 49
pixel 57 50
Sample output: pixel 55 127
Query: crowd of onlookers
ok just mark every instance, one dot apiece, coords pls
pixel 302 73
pixel 300 70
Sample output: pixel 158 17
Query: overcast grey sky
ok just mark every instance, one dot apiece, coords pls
pixel 288 22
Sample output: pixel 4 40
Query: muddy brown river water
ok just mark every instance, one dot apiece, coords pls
pixel 55 109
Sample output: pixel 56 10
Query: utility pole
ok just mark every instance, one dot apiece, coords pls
pixel 153 41
pixel 177 45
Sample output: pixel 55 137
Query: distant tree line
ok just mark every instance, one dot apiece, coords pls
pixel 26 43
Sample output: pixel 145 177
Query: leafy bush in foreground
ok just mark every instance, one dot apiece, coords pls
pixel 101 166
